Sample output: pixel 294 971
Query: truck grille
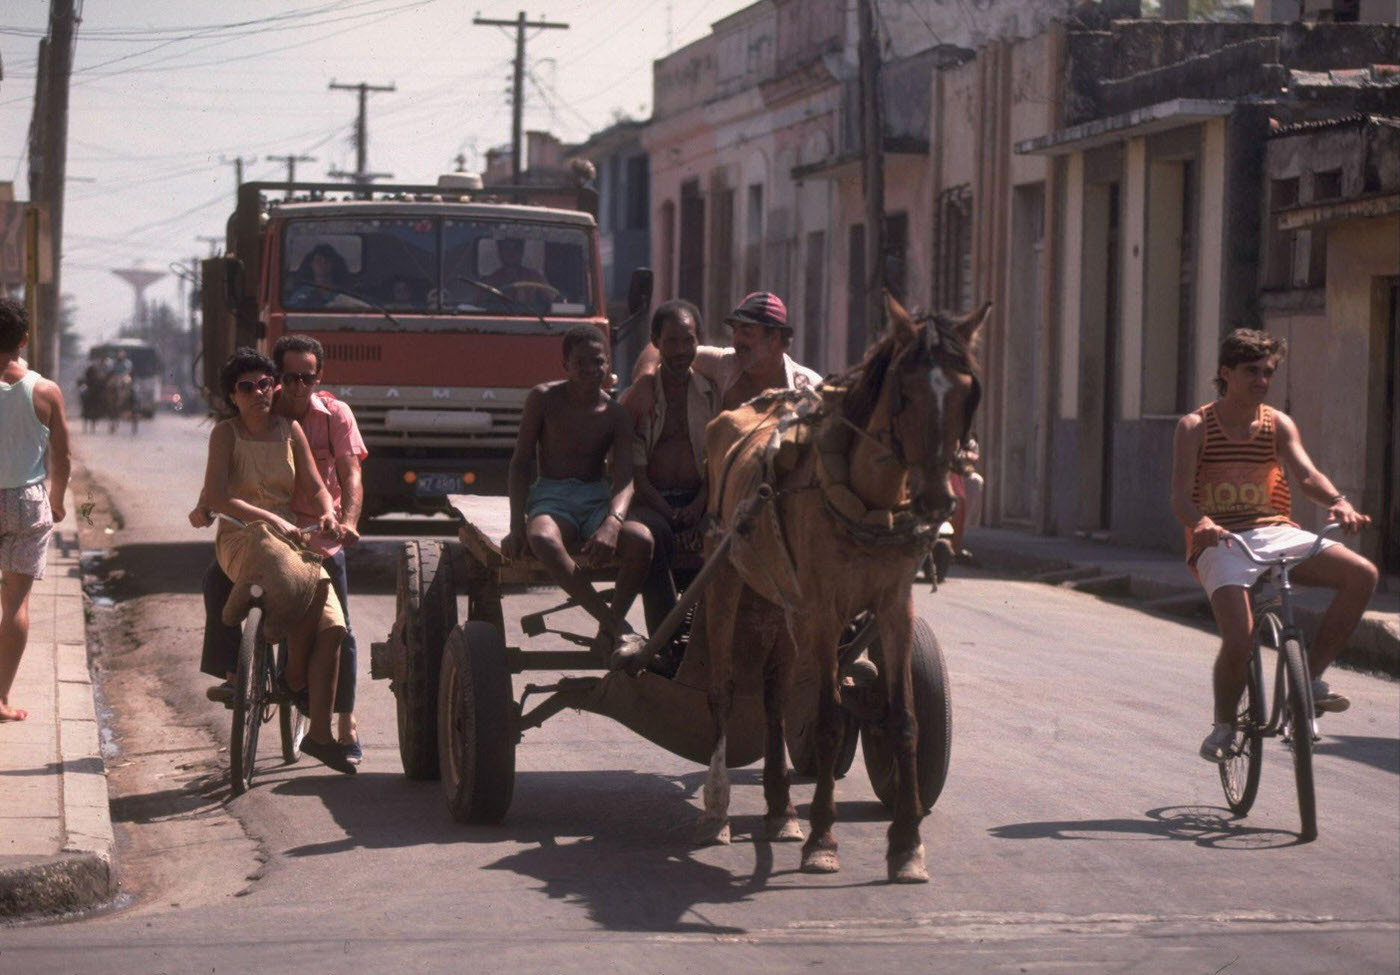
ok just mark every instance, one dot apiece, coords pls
pixel 373 405
pixel 345 352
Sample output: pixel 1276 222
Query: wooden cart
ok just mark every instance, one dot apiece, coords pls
pixel 459 718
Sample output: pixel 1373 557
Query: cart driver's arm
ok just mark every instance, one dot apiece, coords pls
pixel 531 423
pixel 640 396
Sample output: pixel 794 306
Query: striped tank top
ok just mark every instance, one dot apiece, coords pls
pixel 1240 484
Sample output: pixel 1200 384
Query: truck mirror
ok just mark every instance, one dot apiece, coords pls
pixel 639 291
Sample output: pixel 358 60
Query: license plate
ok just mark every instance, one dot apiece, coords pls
pixel 436 485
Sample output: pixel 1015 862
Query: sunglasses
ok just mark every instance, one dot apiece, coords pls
pixel 248 386
pixel 305 378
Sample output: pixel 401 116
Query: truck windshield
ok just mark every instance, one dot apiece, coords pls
pixel 487 267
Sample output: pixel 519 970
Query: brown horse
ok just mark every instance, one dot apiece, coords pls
pixel 852 515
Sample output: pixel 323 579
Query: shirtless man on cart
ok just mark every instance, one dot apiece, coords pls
pixel 571 428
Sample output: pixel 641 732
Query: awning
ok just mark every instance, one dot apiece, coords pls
pixel 1115 128
pixel 1299 218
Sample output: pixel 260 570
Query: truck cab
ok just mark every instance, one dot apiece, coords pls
pixel 438 311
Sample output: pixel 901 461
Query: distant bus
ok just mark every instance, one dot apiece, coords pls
pixel 146 369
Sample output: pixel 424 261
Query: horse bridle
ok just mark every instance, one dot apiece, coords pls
pixel 949 350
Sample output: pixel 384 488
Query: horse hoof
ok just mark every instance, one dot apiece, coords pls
pixel 712 832
pixel 908 868
pixel 821 861
pixel 782 829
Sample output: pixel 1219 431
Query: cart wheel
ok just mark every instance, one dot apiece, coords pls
pixel 476 725
pixel 800 724
pixel 426 613
pixel 933 707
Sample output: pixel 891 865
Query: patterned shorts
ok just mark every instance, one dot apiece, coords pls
pixel 26 522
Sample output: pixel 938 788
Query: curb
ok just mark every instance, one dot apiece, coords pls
pixel 79 875
pixel 1375 644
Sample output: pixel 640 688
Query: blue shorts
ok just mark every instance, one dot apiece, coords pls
pixel 581 504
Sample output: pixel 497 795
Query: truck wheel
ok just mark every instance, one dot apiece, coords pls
pixel 426 614
pixel 933 707
pixel 476 725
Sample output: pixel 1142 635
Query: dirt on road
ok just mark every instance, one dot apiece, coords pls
pixel 178 841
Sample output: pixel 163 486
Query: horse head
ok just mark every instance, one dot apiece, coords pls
pixel 929 396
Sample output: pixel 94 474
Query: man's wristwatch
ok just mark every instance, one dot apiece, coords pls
pixel 1336 499
pixel 620 519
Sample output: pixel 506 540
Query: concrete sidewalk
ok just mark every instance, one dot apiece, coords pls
pixel 55 822
pixel 1160 582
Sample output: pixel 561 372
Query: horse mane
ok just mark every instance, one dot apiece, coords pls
pixel 864 382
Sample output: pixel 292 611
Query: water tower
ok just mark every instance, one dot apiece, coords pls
pixel 140 279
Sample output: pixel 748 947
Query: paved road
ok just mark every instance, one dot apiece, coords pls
pixel 1078 830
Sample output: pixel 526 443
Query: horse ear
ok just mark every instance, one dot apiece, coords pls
pixel 968 325
pixel 901 327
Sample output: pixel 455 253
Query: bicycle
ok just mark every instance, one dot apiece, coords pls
pixel 1292 717
pixel 254 700
pixel 256 696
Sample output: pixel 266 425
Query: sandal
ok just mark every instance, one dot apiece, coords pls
pixel 331 754
pixel 354 754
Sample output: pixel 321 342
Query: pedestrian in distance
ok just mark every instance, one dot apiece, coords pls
pixel 33 447
pixel 1228 475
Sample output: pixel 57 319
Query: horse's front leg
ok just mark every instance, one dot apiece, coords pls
pixel 780 822
pixel 819 852
pixel 719 610
pixel 905 854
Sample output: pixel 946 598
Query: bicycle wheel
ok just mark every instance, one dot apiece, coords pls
pixel 1300 719
pixel 249 694
pixel 292 725
pixel 1239 774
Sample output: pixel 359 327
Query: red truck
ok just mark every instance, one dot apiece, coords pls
pixel 439 306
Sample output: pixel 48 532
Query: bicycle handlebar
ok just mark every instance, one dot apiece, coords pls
pixel 1250 554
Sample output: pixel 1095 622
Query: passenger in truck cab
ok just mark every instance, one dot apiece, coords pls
pixel 571 429
pixel 401 291
pixel 319 279
pixel 514 277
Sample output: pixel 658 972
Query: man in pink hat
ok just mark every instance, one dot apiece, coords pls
pixel 757 360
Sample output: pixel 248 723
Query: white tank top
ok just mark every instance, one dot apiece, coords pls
pixel 24 441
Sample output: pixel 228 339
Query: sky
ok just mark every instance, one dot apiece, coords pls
pixel 167 93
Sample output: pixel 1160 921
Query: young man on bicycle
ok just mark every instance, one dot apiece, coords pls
pixel 1228 463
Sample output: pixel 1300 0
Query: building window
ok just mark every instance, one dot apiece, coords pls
pixel 1278 265
pixel 753 239
pixel 813 297
pixel 896 269
pixel 952 250
pixel 638 193
pixel 1327 185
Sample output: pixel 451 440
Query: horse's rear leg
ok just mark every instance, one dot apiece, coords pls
pixel 719 610
pixel 780 823
pixel 905 855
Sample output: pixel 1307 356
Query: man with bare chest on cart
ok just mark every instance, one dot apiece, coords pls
pixel 572 429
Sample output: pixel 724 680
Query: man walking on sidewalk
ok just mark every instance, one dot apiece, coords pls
pixel 33 444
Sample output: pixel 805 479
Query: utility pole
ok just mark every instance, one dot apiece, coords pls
pixel 517 101
pixel 46 179
pixel 291 161
pixel 361 174
pixel 872 166
pixel 237 163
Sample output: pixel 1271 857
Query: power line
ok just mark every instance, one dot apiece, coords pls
pixel 518 89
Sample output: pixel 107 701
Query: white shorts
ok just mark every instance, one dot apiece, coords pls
pixel 26 522
pixel 1227 566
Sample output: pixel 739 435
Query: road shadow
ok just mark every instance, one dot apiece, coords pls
pixel 1379 753
pixel 142 568
pixel 1209 826
pixel 617 842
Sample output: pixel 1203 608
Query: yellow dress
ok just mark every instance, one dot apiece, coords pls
pixel 263 473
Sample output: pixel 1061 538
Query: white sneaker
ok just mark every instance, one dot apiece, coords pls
pixel 1325 699
pixel 1216 747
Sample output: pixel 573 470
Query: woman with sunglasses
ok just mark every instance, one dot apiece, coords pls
pixel 257 461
